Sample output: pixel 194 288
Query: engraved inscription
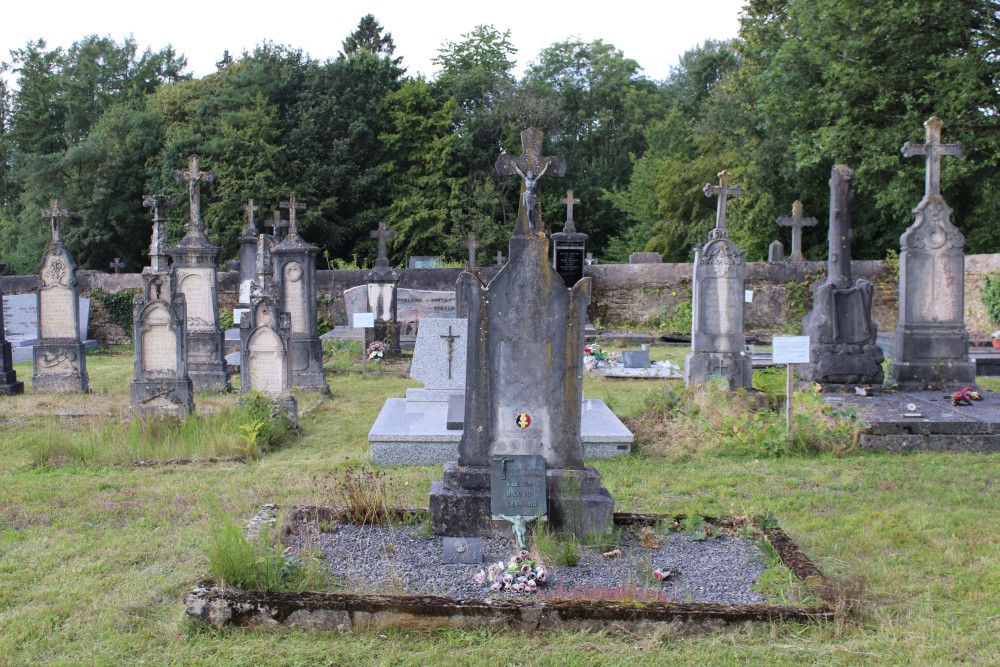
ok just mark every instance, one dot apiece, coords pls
pixel 295 297
pixel 159 343
pixel 198 292
pixel 266 359
pixel 56 312
pixel 517 485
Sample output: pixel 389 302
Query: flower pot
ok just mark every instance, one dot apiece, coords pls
pixel 996 342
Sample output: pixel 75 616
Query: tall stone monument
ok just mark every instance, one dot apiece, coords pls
pixel 569 246
pixel 60 357
pixel 797 222
pixel 382 283
pixel 264 338
pixel 9 384
pixel 842 334
pixel 161 386
pixel 195 261
pixel 932 343
pixel 295 265
pixel 718 346
pixel 523 385
pixel 248 253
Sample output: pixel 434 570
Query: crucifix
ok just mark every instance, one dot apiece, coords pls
pixel 797 222
pixel 723 190
pixel 568 201
pixel 117 265
pixel 292 205
pixel 590 259
pixel 55 216
pixel 383 233
pixel 499 259
pixel 158 244
pixel 530 166
pixel 276 223
pixel 473 245
pixel 194 176
pixel 251 228
pixel 451 338
pixel 933 149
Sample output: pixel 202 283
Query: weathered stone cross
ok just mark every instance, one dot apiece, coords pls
pixel 55 215
pixel 382 234
pixel 276 223
pixel 292 205
pixel 451 338
pixel 933 149
pixel 569 200
pixel 530 166
pixel 251 228
pixel 117 265
pixel 723 190
pixel 473 245
pixel 499 258
pixel 589 259
pixel 158 244
pixel 797 222
pixel 194 176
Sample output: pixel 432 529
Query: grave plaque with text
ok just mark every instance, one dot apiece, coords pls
pixel 517 485
pixel 463 550
pixel 635 358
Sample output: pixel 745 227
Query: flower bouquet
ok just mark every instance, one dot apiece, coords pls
pixel 594 355
pixel 376 351
pixel 520 575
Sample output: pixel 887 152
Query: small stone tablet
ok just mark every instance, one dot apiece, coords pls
pixel 517 485
pixel 463 550
pixel 635 358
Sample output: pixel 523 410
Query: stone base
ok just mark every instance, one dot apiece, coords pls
pixel 307 365
pixel 9 385
pixel 932 356
pixel 932 375
pixel 60 368
pixel 843 364
pixel 163 398
pixel 206 361
pixel 699 367
pixel 460 504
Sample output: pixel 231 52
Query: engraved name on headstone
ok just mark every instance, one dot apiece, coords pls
pixel 517 485
pixel 265 362
pixel 295 298
pixel 159 343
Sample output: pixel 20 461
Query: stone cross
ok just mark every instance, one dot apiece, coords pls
pixel 499 259
pixel 473 245
pixel 158 244
pixel 451 338
pixel 723 190
pixel 382 234
pixel 55 216
pixel 841 196
pixel 568 201
pixel 194 176
pixel 251 228
pixel 933 149
pixel 530 166
pixel 590 259
pixel 117 265
pixel 276 223
pixel 797 222
pixel 292 205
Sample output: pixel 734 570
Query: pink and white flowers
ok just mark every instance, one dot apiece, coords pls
pixel 519 575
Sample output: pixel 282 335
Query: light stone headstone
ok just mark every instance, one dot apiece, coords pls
pixel 248 253
pixel 776 252
pixel 9 384
pixel 439 359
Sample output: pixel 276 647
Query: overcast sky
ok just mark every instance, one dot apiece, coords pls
pixel 653 32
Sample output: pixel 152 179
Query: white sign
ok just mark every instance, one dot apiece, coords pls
pixel 364 320
pixel 790 349
pixel 748 296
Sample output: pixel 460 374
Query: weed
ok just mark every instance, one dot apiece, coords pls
pixel 363 494
pixel 694 527
pixel 561 549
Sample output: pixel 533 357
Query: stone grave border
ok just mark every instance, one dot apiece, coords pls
pixel 226 606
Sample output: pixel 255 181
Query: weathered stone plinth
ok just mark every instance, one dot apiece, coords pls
pixel 60 366
pixel 735 367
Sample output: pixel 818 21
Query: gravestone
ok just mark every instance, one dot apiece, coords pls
pixel 117 265
pixel 264 339
pixel 568 246
pixel 248 254
pixel 195 261
pixel 383 281
pixel 439 359
pixel 932 343
pixel 635 358
pixel 524 387
pixel 797 222
pixel 776 252
pixel 423 262
pixel 60 358
pixel 161 385
pixel 295 265
pixel 842 334
pixel 645 258
pixel 9 384
pixel 718 346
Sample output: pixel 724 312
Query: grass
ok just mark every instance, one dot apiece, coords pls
pixel 94 560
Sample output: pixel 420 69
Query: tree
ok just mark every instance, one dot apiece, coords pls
pixel 368 38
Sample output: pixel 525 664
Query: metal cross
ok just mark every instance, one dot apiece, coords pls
pixel 569 200
pixel 251 228
pixel 451 338
pixel 723 190
pixel 158 244
pixel 194 176
pixel 933 149
pixel 292 205
pixel 117 265
pixel 276 223
pixel 383 233
pixel 797 222
pixel 530 166
pixel 499 258
pixel 473 245
pixel 55 215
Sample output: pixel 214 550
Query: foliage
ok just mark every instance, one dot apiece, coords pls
pixel 559 549
pixel 118 306
pixel 990 295
pixel 364 495
pixel 680 318
pixel 226 321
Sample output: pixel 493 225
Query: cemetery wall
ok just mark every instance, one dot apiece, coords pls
pixel 623 293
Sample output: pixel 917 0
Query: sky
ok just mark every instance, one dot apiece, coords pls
pixel 653 32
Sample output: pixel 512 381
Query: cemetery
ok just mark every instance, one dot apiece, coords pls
pixel 528 442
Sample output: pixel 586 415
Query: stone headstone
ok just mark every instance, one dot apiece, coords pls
pixel 20 313
pixel 635 358
pixel 569 246
pixel 248 253
pixel 524 388
pixel 439 359
pixel 423 262
pixel 932 342
pixel 9 384
pixel 843 347
pixel 718 346
pixel 383 281
pixel 645 258
pixel 797 222
pixel 776 252
pixel 60 358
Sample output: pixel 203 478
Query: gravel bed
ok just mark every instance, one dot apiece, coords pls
pixel 399 560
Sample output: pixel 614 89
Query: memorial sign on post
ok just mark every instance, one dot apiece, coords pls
pixel 789 350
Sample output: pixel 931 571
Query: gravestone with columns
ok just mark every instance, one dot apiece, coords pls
pixel 9 384
pixel 718 346
pixel 796 222
pixel 195 261
pixel 383 281
pixel 60 359
pixel 569 246
pixel 932 343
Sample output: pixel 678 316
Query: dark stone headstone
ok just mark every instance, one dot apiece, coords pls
pixel 383 283
pixel 9 384
pixel 635 358
pixel 569 246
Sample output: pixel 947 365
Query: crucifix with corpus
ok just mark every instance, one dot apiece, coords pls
pixel 530 166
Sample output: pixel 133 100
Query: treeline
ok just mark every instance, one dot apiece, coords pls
pixel 805 85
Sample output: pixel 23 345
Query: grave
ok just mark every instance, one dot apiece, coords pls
pixel 9 384
pixel 776 252
pixel 248 254
pixel 569 246
pixel 60 357
pixel 195 276
pixel 382 283
pixel 718 346
pixel 797 222
pixel 843 337
pixel 20 313
pixel 161 385
pixel 412 307
pixel 295 264
pixel 524 388
pixel 932 343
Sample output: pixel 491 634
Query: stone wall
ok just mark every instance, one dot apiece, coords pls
pixel 623 293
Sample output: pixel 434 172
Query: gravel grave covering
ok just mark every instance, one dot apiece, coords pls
pixel 399 560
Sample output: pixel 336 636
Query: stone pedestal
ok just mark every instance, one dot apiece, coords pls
pixel 9 384
pixel 382 293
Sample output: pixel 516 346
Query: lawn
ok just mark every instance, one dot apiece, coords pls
pixel 95 559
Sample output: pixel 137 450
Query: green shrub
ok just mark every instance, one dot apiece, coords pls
pixel 118 306
pixel 680 319
pixel 990 295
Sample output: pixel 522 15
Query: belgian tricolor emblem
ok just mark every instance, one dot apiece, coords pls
pixel 523 420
